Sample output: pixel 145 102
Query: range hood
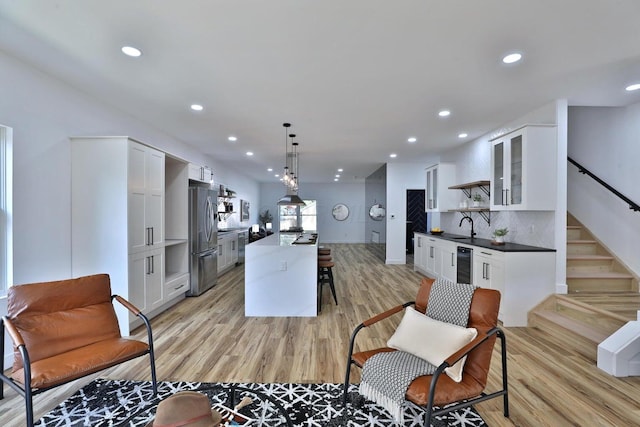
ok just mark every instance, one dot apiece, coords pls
pixel 291 199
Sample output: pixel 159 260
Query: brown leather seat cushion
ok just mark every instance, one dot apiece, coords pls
pixel 82 361
pixel 483 315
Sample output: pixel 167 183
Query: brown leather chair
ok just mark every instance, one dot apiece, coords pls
pixel 63 331
pixel 437 390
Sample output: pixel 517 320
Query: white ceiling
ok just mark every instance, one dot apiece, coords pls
pixel 356 78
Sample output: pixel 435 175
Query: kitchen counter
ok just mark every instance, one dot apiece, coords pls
pixel 524 275
pixel 281 276
pixel 487 244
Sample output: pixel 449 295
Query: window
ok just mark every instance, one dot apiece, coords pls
pixel 293 217
pixel 6 237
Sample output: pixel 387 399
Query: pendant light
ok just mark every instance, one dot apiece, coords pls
pixel 290 173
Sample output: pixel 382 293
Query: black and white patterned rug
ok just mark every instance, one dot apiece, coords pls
pixel 109 403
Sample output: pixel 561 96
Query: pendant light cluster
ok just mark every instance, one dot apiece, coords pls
pixel 291 171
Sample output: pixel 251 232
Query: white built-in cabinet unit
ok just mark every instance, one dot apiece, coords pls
pixel 438 179
pixel 200 173
pixel 523 278
pixel 129 218
pixel 435 257
pixel 227 251
pixel 523 169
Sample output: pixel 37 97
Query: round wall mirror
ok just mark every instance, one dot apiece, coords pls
pixel 340 212
pixel 377 212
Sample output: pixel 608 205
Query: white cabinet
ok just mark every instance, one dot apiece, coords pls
pixel 524 280
pixel 438 179
pixel 421 254
pixel 446 254
pixel 200 173
pixel 488 269
pixel 146 197
pixel 227 251
pixel 146 273
pixel 434 257
pixel 523 169
pixel 121 225
pixel 431 256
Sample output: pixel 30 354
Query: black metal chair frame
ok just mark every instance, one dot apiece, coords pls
pixel 429 407
pixel 27 392
pixel 325 275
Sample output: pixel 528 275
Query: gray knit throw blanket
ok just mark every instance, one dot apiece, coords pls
pixel 386 376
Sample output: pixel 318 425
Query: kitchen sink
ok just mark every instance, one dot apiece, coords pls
pixel 462 238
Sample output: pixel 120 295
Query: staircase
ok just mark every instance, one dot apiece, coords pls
pixel 603 296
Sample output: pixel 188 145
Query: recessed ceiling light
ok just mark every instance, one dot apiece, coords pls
pixel 412 139
pixel 277 175
pixel 232 138
pixel 337 175
pixel 633 87
pixel 393 155
pixel 249 153
pixel 462 135
pixel 336 179
pixel 270 170
pixel 512 57
pixel 197 107
pixel 340 170
pixel 444 113
pixel 131 51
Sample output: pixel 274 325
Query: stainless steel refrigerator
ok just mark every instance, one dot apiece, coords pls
pixel 203 238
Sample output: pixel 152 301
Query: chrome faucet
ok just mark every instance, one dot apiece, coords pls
pixel 473 233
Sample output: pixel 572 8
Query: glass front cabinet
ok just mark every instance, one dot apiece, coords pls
pixel 524 169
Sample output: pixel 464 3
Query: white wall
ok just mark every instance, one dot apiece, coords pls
pixel 327 196
pixel 605 140
pixel 44 113
pixel 400 178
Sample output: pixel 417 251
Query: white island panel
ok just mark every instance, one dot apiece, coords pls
pixel 281 278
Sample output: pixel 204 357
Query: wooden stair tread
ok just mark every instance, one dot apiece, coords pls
pixel 574 227
pixel 575 326
pixel 598 275
pixel 585 257
pixel 580 242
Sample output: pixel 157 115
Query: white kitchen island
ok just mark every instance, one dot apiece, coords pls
pixel 281 276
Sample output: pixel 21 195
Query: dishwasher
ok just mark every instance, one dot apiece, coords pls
pixel 464 262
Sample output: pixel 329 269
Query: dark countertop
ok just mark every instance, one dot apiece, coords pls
pixel 486 243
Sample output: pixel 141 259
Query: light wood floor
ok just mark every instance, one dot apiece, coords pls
pixel 209 339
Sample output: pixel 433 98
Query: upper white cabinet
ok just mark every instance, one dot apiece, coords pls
pixel 146 197
pixel 523 169
pixel 200 173
pixel 438 179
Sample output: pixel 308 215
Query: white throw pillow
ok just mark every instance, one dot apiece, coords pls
pixel 432 340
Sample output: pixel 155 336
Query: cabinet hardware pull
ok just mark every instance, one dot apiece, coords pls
pixel 509 202
pixel 485 253
pixel 452 265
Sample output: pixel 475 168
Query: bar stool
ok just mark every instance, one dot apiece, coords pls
pixel 324 251
pixel 325 275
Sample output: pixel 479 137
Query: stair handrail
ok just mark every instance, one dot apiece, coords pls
pixel 632 205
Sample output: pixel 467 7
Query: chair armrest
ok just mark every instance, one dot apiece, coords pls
pixel 479 339
pixel 386 314
pixel 373 320
pixel 13 332
pixel 132 308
